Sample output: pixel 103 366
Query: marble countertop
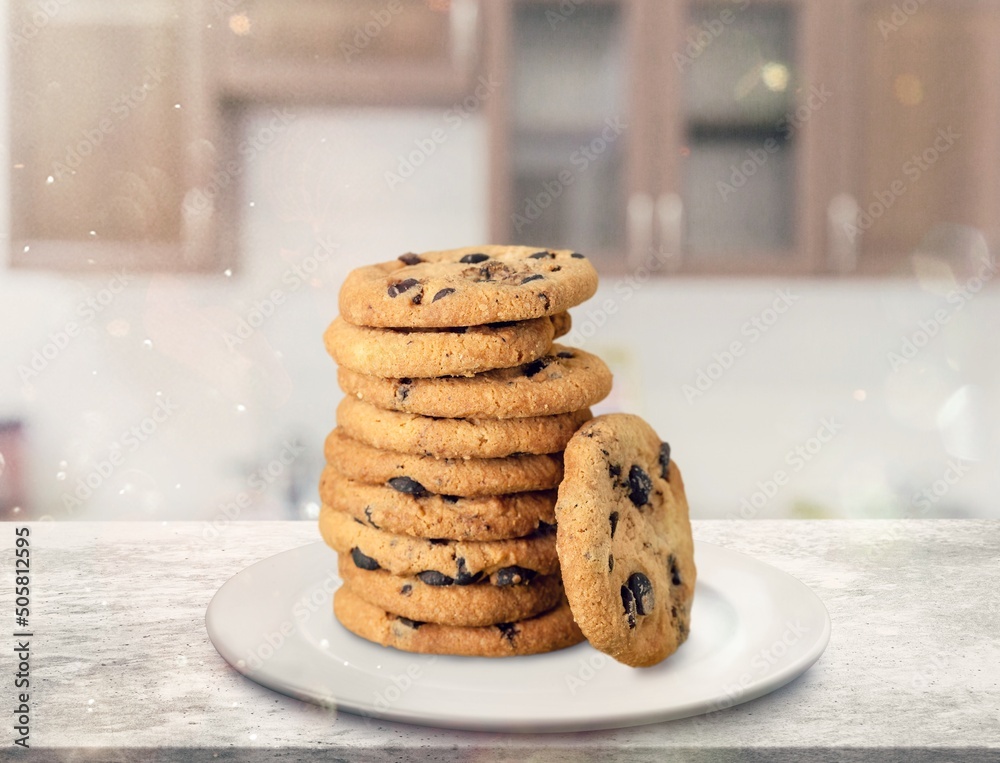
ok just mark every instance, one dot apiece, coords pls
pixel 123 669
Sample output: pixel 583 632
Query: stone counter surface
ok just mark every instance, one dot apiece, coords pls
pixel 122 667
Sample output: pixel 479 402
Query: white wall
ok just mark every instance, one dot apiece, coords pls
pixel 323 181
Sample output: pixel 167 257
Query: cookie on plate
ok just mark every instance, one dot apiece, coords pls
pixel 624 540
pixel 546 632
pixel 489 517
pixel 440 561
pixel 467 287
pixel 472 605
pixel 460 351
pixel 456 438
pixel 446 476
pixel 567 379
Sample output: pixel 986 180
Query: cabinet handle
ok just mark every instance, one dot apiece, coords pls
pixel 640 227
pixel 670 219
pixel 843 233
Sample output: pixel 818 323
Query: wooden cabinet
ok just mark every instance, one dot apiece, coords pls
pixel 756 137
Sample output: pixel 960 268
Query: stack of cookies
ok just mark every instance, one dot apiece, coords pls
pixel 440 488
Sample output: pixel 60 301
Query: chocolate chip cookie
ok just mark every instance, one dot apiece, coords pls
pixel 624 540
pixel 546 632
pixel 456 438
pixel 472 605
pixel 415 352
pixel 565 380
pixel 439 561
pixel 467 287
pixel 427 515
pixel 445 476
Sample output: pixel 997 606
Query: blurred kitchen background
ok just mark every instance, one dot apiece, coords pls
pixel 794 205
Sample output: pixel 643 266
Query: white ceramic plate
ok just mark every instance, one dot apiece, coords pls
pixel 753 629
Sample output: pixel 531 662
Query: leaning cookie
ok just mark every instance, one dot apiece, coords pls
pixel 456 438
pixel 439 561
pixel 473 605
pixel 567 379
pixel 461 351
pixel 428 515
pixel 467 287
pixel 624 540
pixel 546 632
pixel 445 476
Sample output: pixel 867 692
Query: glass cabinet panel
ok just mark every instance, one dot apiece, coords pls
pixel 568 126
pixel 738 161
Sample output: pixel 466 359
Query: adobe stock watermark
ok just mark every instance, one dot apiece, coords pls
pixel 293 279
pixel 532 207
pixel 128 442
pixel 757 158
pixel 557 14
pixel 257 483
pixel 762 663
pixel 753 329
pixel 796 459
pixel 456 116
pixel 701 36
pixel 85 312
pixel 901 13
pixel 122 107
pixel 380 19
pixel 586 670
pixel 585 327
pixel 33 21
pixel 912 170
pixel 202 200
pixel 928 329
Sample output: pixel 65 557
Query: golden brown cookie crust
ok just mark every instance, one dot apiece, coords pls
pixel 547 632
pixel 471 605
pixel 405 555
pixel 428 352
pixel 467 287
pixel 445 476
pixel 456 438
pixel 493 517
pixel 567 379
pixel 624 540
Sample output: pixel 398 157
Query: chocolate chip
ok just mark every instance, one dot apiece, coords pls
pixel 642 592
pixel 513 575
pixel 614 522
pixel 464 577
pixel 363 562
pixel 406 590
pixel 406 381
pixel 534 367
pixel 611 562
pixel 555 268
pixel 565 355
pixel 540 255
pixel 400 286
pixel 402 391
pixel 442 293
pixel 407 485
pixel 536 277
pixel 628 602
pixel 509 630
pixel 665 460
pixel 472 259
pixel 408 622
pixel 410 258
pixel 368 513
pixel 417 298
pixel 545 298
pixel 639 485
pixel 435 578
pixel 614 470
pixel 675 576
pixel 449 498
pixel 577 256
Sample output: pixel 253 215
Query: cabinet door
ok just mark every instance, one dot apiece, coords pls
pixel 739 130
pixel 566 134
pixel 926 179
